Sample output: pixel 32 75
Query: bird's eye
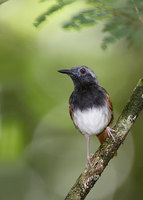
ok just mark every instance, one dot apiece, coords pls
pixel 82 71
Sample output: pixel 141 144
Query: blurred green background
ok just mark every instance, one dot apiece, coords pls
pixel 41 153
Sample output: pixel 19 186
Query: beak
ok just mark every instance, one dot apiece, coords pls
pixel 65 71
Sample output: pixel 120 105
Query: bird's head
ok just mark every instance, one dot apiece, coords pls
pixel 81 75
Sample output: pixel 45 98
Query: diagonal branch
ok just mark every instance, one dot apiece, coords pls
pixel 106 151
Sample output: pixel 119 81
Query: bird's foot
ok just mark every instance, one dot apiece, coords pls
pixel 91 155
pixel 89 162
pixel 110 131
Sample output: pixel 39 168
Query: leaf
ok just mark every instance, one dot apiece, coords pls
pixel 122 19
pixel 126 24
pixel 60 4
pixel 3 1
pixel 87 18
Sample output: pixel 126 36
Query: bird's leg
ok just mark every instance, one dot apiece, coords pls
pixel 110 131
pixel 88 156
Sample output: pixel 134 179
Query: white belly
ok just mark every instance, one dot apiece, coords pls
pixel 93 120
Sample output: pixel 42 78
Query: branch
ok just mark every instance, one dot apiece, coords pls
pixel 108 149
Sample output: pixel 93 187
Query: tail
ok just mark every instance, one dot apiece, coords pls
pixel 101 137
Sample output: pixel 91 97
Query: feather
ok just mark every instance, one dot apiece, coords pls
pixel 102 136
pixel 70 111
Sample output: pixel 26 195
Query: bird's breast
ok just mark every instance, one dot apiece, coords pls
pixel 92 121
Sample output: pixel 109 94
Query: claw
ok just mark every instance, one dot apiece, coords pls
pixel 110 131
pixel 89 163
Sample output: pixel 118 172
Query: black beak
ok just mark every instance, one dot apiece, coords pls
pixel 65 71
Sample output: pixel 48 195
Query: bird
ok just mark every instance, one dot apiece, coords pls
pixel 90 106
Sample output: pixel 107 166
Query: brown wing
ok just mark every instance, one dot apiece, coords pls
pixel 110 106
pixel 103 135
pixel 70 111
pixel 109 102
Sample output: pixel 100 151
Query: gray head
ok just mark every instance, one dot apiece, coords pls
pixel 81 75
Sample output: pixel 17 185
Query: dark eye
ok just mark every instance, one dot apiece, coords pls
pixel 82 71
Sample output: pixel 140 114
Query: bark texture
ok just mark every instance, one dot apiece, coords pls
pixel 106 151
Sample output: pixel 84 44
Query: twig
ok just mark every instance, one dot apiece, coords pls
pixel 108 149
pixel 138 12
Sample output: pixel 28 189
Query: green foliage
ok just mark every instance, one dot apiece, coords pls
pixel 3 1
pixel 87 17
pixel 126 22
pixel 121 19
pixel 60 4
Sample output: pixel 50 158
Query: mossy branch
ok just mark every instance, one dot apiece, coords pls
pixel 108 149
